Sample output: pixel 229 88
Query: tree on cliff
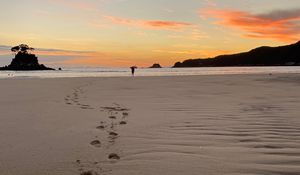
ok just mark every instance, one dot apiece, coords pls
pixel 22 48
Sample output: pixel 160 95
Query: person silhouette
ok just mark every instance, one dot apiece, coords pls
pixel 133 70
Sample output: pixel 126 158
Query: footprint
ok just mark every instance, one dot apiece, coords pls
pixel 96 143
pixel 86 107
pixel 114 134
pixel 101 127
pixel 125 113
pixel 83 105
pixel 89 173
pixel 114 156
pixel 112 117
pixel 123 122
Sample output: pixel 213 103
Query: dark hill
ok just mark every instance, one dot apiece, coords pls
pixel 262 56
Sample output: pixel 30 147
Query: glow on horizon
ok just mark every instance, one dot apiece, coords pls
pixel 141 32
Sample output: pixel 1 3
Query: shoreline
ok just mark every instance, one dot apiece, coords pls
pixel 165 72
pixel 148 76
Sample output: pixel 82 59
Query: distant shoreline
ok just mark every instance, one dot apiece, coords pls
pixel 164 72
pixel 288 55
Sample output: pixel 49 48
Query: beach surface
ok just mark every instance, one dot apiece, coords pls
pixel 180 125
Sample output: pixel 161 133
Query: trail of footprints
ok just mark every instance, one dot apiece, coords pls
pixel 116 117
pixel 74 98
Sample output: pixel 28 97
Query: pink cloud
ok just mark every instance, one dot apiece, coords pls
pixel 155 24
pixel 280 25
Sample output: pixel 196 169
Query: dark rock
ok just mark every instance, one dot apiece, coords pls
pixel 156 65
pixel 24 61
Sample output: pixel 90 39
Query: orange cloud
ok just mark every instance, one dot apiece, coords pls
pixel 58 52
pixel 4 52
pixel 155 24
pixel 110 60
pixel 195 53
pixel 281 25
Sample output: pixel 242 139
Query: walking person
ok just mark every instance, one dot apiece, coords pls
pixel 133 70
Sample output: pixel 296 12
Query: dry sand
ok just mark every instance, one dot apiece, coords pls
pixel 189 125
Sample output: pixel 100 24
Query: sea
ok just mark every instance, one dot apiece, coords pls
pixel 126 72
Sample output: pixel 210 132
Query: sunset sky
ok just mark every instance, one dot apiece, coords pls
pixel 143 32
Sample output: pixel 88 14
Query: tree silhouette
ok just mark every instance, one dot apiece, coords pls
pixel 22 48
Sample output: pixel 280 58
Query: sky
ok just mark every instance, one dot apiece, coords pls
pixel 122 33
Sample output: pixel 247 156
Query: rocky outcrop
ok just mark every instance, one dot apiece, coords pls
pixel 24 61
pixel 156 65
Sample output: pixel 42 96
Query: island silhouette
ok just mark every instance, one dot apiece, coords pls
pixel 288 55
pixel 24 60
pixel 155 65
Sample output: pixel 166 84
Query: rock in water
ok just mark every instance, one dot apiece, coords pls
pixel 156 65
pixel 24 60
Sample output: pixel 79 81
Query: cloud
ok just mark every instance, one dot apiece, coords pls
pixel 44 51
pixel 282 14
pixel 195 53
pixel 5 50
pixel 60 57
pixel 48 56
pixel 150 24
pixel 282 25
pixel 194 34
pixel 57 52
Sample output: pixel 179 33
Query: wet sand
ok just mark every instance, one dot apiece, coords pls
pixel 212 125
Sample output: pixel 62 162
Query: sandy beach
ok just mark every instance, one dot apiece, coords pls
pixel 181 125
